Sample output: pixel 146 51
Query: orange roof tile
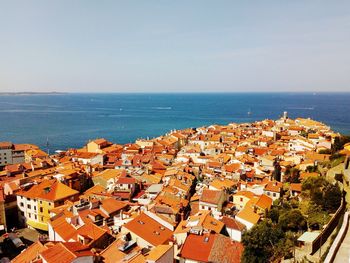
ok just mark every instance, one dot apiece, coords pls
pixel 149 229
pixel 232 223
pixel 110 205
pixel 30 254
pixel 65 252
pixel 264 202
pixel 197 247
pixel 273 186
pixel 211 196
pixel 248 214
pixel 51 190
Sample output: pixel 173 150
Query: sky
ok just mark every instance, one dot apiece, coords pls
pixel 174 46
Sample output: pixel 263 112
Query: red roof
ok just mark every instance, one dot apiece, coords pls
pixel 211 196
pixel 197 247
pixel 149 230
pixel 211 248
pixel 126 180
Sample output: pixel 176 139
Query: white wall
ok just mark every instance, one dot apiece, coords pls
pixel 244 222
pixel 234 234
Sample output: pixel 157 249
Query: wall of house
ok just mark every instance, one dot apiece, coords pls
pixel 240 201
pixel 244 222
pixel 53 236
pixel 17 157
pixel 273 195
pixel 5 157
pixel 93 147
pixel 234 234
pixel 180 238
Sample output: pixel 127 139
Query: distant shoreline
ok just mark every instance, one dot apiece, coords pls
pixel 31 93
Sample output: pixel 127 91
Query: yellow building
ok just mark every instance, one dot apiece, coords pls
pixel 241 198
pixel 35 204
pixel 97 145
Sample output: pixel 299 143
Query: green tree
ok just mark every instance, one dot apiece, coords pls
pixel 293 175
pixel 339 143
pixel 274 214
pixel 276 174
pixel 292 220
pixel 332 198
pixel 260 241
pixel 316 217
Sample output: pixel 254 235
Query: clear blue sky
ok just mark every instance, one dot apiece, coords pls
pixel 174 46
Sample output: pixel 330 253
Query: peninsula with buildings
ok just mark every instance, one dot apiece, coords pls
pixel 268 191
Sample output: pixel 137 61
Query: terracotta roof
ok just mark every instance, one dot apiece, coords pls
pixel 264 202
pixel 222 184
pixel 30 254
pixel 96 189
pixel 100 141
pixel 201 219
pixel 49 190
pixel 110 173
pixel 65 230
pixel 225 250
pixel 126 180
pixel 149 229
pixel 273 186
pixel 211 248
pixel 65 252
pixel 5 145
pixel 211 196
pixel 91 231
pixel 112 254
pixel 197 247
pixel 232 223
pixel 110 205
pixel 295 187
pixel 247 194
pixel 248 214
pixel 158 252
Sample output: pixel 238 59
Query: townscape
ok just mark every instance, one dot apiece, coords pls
pixel 202 194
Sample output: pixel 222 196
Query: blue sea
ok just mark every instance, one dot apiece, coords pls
pixel 70 120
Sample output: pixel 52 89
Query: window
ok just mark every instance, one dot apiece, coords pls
pixel 241 199
pixel 41 210
pixel 29 206
pixel 36 217
pixel 29 215
pixel 21 204
pixel 35 208
pixel 274 194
